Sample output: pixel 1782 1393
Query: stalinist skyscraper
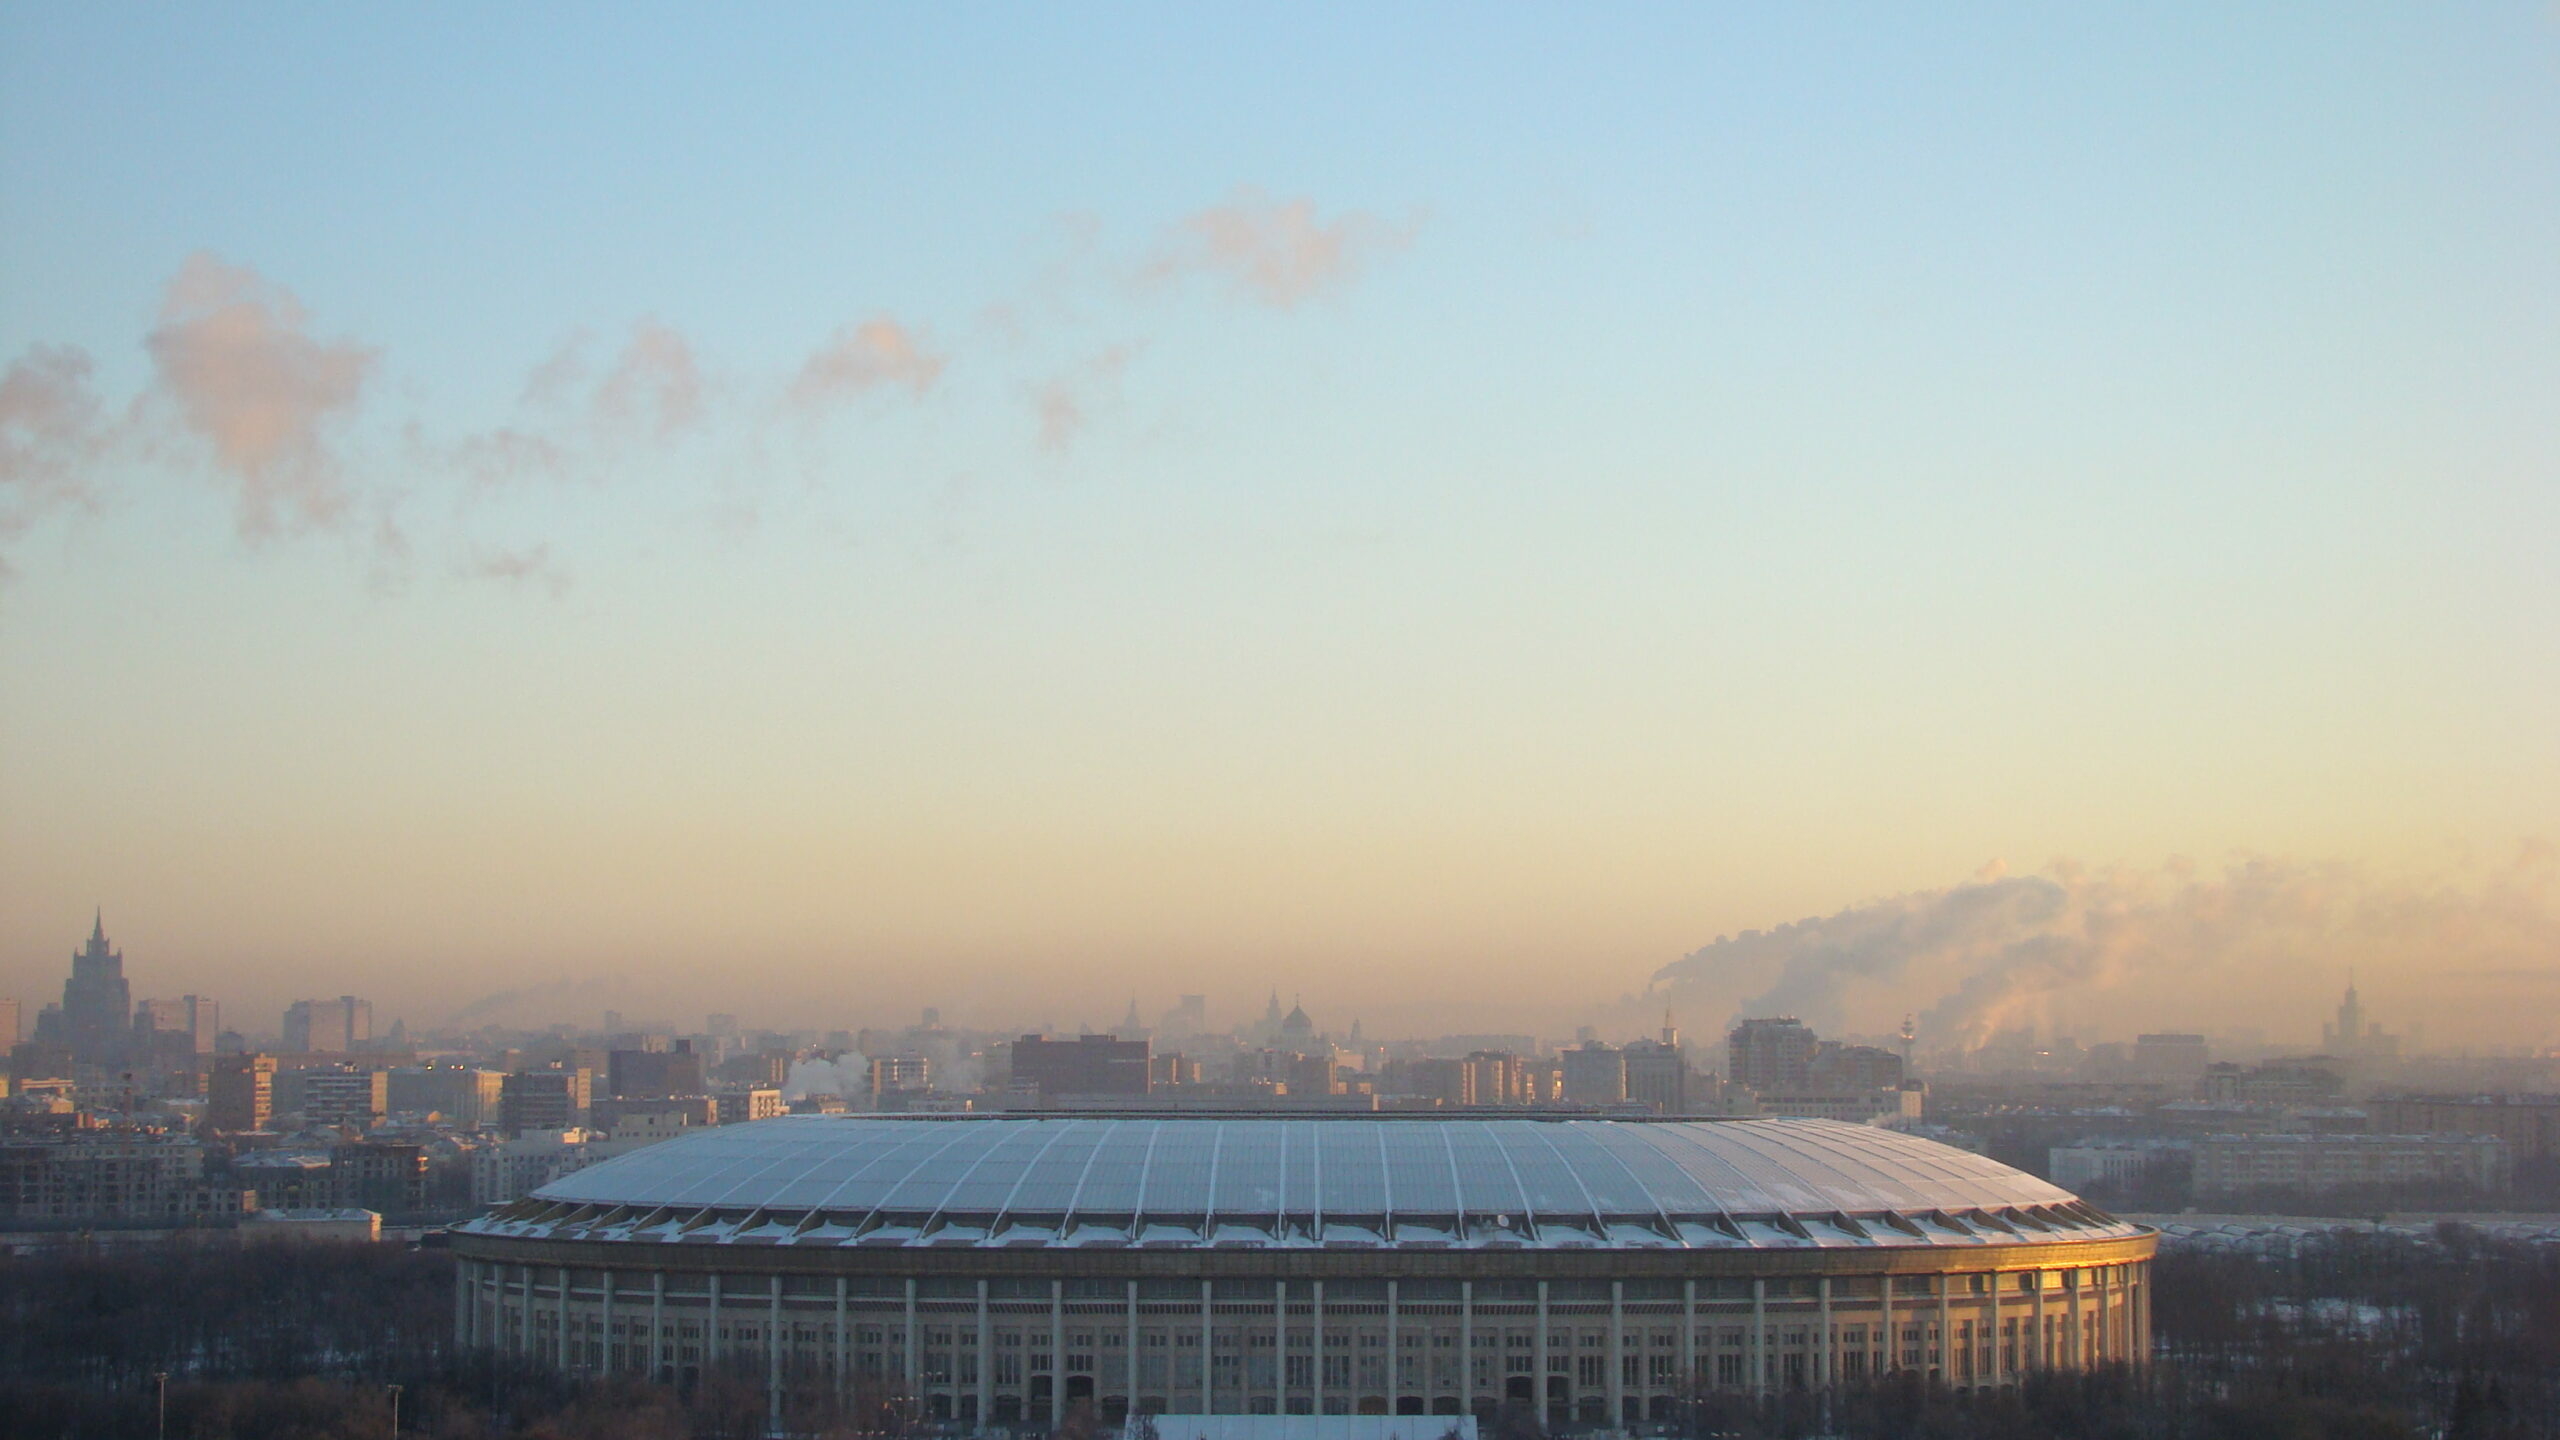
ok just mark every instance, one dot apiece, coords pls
pixel 97 1004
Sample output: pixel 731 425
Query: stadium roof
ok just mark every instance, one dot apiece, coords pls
pixel 1436 1182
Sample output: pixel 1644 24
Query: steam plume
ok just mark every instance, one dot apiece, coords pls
pixel 1993 950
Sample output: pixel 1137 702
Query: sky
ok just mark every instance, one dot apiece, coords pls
pixel 1443 510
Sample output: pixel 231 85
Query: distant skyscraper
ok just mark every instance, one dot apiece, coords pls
pixel 8 1021
pixel 328 1027
pixel 2353 1036
pixel 97 1004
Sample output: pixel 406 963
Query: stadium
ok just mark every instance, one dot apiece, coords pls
pixel 997 1272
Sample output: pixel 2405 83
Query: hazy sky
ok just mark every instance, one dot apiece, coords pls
pixel 1445 509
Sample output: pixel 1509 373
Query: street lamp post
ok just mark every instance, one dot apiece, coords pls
pixel 160 1379
pixel 395 1413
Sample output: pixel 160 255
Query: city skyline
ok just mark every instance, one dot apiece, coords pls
pixel 1455 513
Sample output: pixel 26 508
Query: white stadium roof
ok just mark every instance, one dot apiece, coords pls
pixel 1467 1181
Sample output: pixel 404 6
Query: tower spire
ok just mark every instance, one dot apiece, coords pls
pixel 98 925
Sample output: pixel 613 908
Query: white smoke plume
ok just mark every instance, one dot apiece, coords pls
pixel 1978 957
pixel 848 1075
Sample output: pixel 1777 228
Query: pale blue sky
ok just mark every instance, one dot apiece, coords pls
pixel 1750 461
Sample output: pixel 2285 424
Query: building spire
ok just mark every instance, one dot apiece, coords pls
pixel 98 926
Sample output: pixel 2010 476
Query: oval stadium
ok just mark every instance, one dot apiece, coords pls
pixel 996 1272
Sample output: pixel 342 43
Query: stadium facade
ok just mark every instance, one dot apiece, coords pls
pixel 997 1271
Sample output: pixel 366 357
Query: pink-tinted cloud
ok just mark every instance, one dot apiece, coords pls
pixel 1061 401
pixel 861 358
pixel 236 354
pixel 1276 251
pixel 49 431
pixel 560 372
pixel 506 455
pixel 655 381
pixel 531 566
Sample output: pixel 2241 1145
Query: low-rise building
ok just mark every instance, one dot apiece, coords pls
pixel 307 1226
pixel 515 1168
pixel 761 1102
pixel 108 1177
pixel 2078 1167
pixel 2529 1124
pixel 2233 1164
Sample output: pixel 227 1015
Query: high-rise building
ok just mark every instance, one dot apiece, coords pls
pixel 1658 1074
pixel 193 1016
pixel 1496 1077
pixel 2353 1036
pixel 1086 1065
pixel 8 1020
pixel 240 1094
pixel 1771 1056
pixel 1595 1073
pixel 462 1094
pixel 545 1100
pixel 653 1074
pixel 354 1097
pixel 900 1075
pixel 328 1027
pixel 2181 1058
pixel 97 1004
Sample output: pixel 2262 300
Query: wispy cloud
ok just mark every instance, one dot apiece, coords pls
pixel 861 358
pixel 1279 252
pixel 1061 401
pixel 654 382
pixel 235 352
pixel 50 431
pixel 530 567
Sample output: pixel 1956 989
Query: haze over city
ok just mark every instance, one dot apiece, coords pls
pixel 1459 516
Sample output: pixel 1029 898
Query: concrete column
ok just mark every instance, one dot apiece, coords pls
pixel 1689 1363
pixel 1823 1366
pixel 1131 1340
pixel 604 1322
pixel 560 1330
pixel 986 1360
pixel 914 1366
pixel 463 1281
pixel 1395 1357
pixel 1997 1368
pixel 1617 1353
pixel 1538 1390
pixel 1057 1351
pixel 1891 1359
pixel 1208 1389
pixel 2036 1358
pixel 1466 1350
pixel 1760 1338
pixel 657 1326
pixel 2142 1314
pixel 844 1344
pixel 711 1326
pixel 1946 1330
pixel 1315 1372
pixel 1279 1348
pixel 773 1357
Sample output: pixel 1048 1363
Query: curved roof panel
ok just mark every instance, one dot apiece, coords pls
pixel 1433 1182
